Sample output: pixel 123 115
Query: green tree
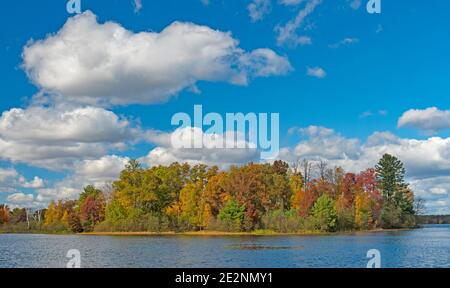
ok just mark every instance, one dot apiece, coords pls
pixel 399 199
pixel 390 176
pixel 232 215
pixel 324 213
pixel 116 212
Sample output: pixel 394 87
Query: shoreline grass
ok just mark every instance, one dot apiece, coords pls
pixel 239 234
pixel 207 233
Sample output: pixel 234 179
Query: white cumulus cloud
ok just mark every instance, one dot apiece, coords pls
pixel 54 138
pixel 178 147
pixel 97 172
pixel 93 63
pixel 430 120
pixel 11 181
pixel 20 198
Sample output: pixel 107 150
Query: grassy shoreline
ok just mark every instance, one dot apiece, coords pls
pixel 214 233
pixel 253 233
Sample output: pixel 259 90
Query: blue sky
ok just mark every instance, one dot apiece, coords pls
pixel 377 68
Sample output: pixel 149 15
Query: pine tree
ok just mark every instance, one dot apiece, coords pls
pixel 390 176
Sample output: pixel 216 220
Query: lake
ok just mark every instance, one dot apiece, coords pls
pixel 426 247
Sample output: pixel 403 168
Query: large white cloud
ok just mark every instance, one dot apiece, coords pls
pixel 323 142
pixel 88 62
pixel 430 120
pixel 178 147
pixel 55 137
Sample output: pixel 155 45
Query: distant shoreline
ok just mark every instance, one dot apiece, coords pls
pixel 219 234
pixel 257 233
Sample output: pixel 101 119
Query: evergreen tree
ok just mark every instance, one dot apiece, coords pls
pixel 324 213
pixel 390 176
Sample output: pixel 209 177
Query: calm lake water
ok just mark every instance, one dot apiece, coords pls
pixel 427 247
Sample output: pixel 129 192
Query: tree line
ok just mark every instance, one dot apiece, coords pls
pixel 274 197
pixel 433 219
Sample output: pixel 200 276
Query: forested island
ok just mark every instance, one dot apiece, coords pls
pixel 276 198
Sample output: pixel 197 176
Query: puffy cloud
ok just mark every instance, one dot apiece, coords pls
pixel 436 193
pixel 325 143
pixel 41 125
pixel 430 120
pixel 34 184
pixel 422 158
pixel 97 172
pixel 54 137
pixel 88 62
pixel 100 171
pixel 11 181
pixel 316 72
pixel 178 147
pixel 8 180
pixel 20 198
pixel 264 62
pixel 257 9
pixel 427 161
pixel 287 34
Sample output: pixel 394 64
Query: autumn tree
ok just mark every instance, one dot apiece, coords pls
pixel 58 214
pixel 194 208
pixel 18 215
pixel 91 205
pixel 215 193
pixel 4 214
pixel 245 186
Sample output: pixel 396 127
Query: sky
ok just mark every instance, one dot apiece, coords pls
pixel 83 94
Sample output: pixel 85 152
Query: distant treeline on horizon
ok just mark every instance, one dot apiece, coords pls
pixel 433 219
